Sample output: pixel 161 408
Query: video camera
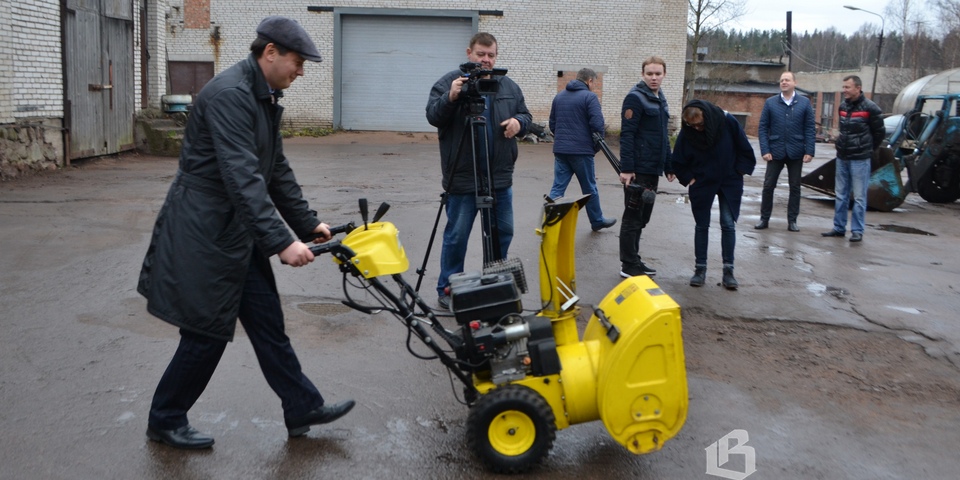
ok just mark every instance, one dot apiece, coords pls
pixel 476 85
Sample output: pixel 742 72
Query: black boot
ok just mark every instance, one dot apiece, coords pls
pixel 728 280
pixel 699 276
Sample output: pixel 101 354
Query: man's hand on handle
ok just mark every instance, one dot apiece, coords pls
pixel 298 253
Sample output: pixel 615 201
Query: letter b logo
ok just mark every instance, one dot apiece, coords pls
pixel 719 452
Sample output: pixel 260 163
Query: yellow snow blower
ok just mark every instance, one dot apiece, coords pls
pixel 527 375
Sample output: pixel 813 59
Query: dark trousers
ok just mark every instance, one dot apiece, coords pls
pixel 774 167
pixel 197 357
pixel 632 223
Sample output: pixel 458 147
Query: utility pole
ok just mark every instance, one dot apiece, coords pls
pixel 790 40
pixel 916 48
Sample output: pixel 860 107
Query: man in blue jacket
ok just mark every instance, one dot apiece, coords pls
pixel 644 156
pixel 787 138
pixel 574 117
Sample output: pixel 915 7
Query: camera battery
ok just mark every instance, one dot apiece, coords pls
pixel 474 296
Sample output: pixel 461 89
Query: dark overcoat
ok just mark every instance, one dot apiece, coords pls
pixel 233 191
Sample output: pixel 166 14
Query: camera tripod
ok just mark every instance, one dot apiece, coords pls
pixel 476 129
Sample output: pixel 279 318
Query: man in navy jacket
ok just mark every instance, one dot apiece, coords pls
pixel 787 138
pixel 574 117
pixel 644 157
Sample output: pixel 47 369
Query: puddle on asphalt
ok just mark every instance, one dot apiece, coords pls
pixel 818 289
pixel 775 251
pixel 905 309
pixel 901 229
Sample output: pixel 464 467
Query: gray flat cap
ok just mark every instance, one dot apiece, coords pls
pixel 287 33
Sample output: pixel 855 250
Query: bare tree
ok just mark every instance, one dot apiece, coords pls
pixel 904 13
pixel 706 16
pixel 947 14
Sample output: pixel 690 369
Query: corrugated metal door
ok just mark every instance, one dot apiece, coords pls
pixel 99 69
pixel 389 64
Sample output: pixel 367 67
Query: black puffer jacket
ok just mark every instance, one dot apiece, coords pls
pixel 456 163
pixel 233 186
pixel 861 129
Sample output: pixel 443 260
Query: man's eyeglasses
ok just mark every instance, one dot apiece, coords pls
pixel 695 126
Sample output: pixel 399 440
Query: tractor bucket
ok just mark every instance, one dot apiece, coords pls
pixel 641 378
pixel 885 191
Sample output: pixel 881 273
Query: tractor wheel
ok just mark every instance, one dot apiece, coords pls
pixel 936 188
pixel 511 429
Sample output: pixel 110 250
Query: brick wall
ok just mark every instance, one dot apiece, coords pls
pixel 738 104
pixel 31 78
pixel 597 88
pixel 196 13
pixel 31 87
pixel 536 38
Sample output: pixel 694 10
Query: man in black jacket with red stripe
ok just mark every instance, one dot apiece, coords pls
pixel 861 132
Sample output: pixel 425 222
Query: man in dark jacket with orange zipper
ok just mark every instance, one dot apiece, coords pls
pixel 208 260
pixel 644 156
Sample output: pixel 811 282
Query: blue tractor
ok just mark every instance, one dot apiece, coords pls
pixel 926 143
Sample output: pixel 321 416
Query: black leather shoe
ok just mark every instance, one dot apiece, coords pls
pixel 833 233
pixel 792 226
pixel 301 425
pixel 856 237
pixel 606 223
pixel 185 437
pixel 761 225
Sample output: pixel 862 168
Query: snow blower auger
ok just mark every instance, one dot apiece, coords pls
pixel 526 376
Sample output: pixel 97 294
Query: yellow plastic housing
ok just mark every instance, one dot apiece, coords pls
pixel 378 250
pixel 641 379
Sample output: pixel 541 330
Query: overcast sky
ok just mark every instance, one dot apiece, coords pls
pixel 809 15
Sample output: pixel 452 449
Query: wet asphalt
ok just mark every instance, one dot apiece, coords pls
pixel 80 356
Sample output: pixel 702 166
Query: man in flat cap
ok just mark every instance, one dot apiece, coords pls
pixel 225 215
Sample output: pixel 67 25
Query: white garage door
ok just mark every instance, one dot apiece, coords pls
pixel 389 64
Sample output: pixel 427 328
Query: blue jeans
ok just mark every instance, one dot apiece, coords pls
pixel 461 213
pixel 564 167
pixel 728 234
pixel 853 178
pixel 197 357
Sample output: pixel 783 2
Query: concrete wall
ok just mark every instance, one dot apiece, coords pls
pixel 537 38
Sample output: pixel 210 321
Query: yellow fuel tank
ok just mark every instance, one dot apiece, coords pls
pixel 378 248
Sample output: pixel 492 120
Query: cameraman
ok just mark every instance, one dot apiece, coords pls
pixel 507 117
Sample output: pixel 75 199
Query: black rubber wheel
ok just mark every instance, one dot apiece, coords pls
pixel 933 192
pixel 511 429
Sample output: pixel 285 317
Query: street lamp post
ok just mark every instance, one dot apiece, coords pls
pixel 876 66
